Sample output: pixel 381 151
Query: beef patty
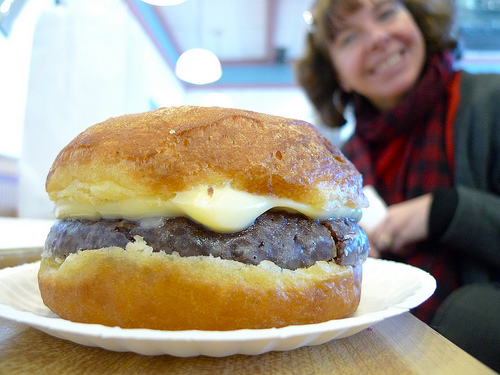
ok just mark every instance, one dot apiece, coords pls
pixel 289 240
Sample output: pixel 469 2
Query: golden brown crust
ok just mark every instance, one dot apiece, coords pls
pixel 173 149
pixel 135 288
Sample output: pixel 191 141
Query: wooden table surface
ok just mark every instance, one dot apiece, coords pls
pixel 399 345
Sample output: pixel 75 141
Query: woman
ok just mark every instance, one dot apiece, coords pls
pixel 427 137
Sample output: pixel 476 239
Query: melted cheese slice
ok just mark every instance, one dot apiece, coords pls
pixel 220 209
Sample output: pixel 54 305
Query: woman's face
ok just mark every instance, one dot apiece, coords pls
pixel 379 52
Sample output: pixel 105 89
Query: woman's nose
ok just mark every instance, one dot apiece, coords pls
pixel 378 37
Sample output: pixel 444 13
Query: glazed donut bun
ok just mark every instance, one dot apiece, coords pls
pixel 203 218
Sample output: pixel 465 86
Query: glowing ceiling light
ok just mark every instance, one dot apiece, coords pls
pixel 5 6
pixel 198 66
pixel 308 17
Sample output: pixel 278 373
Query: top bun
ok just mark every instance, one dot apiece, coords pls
pixel 170 150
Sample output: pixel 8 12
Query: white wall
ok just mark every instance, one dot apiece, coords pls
pixel 15 52
pixel 90 61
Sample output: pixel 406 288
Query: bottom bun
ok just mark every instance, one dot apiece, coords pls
pixel 136 288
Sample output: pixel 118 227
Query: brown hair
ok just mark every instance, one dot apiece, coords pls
pixel 314 71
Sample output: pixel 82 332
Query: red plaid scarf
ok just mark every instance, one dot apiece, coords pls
pixel 403 154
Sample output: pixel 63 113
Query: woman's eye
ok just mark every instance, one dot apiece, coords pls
pixel 388 11
pixel 388 14
pixel 347 38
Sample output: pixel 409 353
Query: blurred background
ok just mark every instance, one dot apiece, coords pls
pixel 68 64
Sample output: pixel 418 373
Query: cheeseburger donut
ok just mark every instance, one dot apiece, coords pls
pixel 203 218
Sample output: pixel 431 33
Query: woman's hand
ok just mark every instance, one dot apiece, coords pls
pixel 405 223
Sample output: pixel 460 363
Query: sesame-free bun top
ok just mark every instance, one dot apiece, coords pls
pixel 157 154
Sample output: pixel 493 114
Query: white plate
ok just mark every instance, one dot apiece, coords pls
pixel 388 289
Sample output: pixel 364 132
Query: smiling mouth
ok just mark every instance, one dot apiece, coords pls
pixel 389 63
